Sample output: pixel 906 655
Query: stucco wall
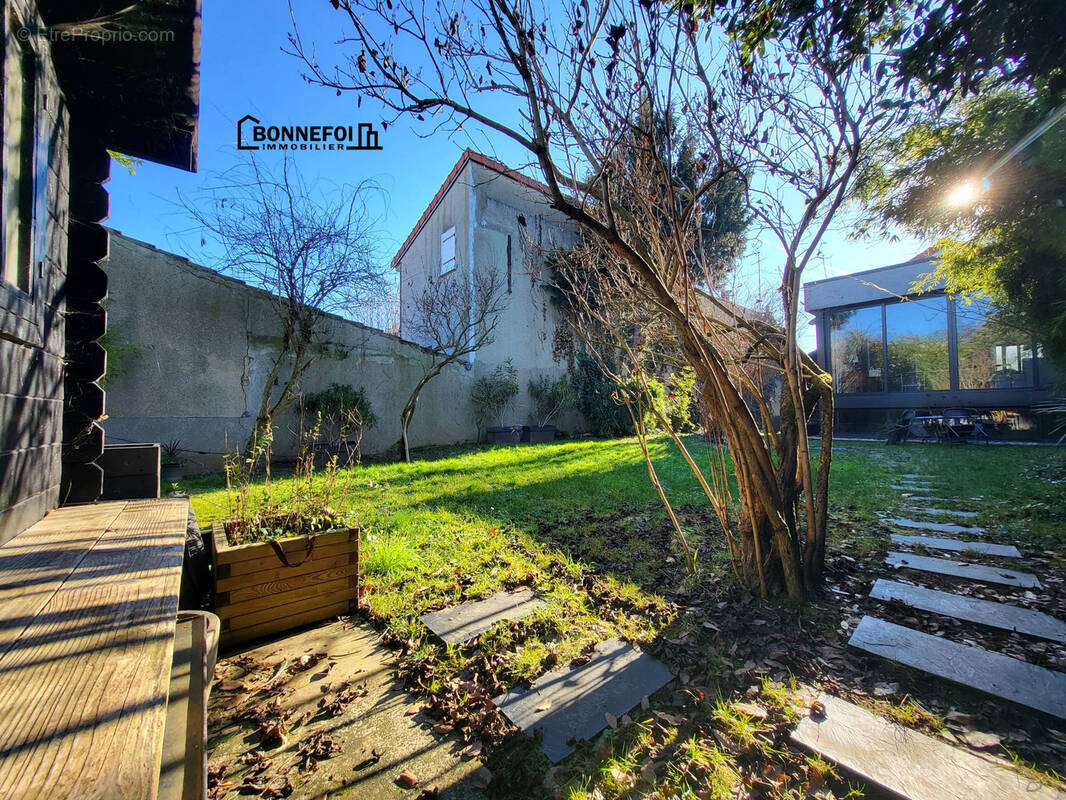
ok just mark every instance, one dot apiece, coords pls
pixel 189 350
pixel 525 333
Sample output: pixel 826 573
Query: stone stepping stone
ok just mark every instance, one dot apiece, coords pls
pixel 994 673
pixel 908 763
pixel 958 545
pixel 899 487
pixel 463 622
pixel 936 527
pixel 911 476
pixel 971 609
pixel 963 569
pixel 945 512
pixel 570 704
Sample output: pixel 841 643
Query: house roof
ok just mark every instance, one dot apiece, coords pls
pixel 467 157
pixel 130 70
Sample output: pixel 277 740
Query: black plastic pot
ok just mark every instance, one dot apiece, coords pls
pixel 171 472
pixel 538 434
pixel 509 434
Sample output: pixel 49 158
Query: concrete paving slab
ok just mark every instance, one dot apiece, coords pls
pixel 571 704
pixel 944 512
pixel 963 569
pixel 971 609
pixel 993 673
pixel 958 545
pixel 936 527
pixel 463 622
pixel 350 696
pixel 908 763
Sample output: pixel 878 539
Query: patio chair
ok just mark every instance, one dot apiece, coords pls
pixel 960 425
pixel 899 432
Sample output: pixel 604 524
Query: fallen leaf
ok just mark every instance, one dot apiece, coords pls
pixel 544 706
pixel 612 720
pixel 407 780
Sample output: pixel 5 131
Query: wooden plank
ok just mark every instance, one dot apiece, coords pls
pixel 963 569
pixel 35 563
pixel 83 691
pixel 308 587
pixel 245 573
pixel 936 527
pixel 974 667
pixel 958 545
pixel 272 626
pixel 291 613
pixel 910 763
pixel 971 609
pixel 295 548
pixel 284 583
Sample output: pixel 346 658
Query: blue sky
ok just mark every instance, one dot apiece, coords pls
pixel 244 71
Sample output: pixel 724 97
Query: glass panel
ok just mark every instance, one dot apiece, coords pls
pixel 917 336
pixel 992 353
pixel 855 347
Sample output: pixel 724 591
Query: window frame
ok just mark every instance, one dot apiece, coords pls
pixel 448 233
pixel 23 307
pixel 953 350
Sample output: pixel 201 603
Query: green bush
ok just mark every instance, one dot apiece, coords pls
pixel 596 394
pixel 345 414
pixel 551 397
pixel 491 394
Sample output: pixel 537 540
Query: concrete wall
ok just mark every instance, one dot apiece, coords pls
pixel 189 350
pixel 32 323
pixel 488 210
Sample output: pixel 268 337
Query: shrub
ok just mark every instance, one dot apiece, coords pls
pixel 551 397
pixel 345 415
pixel 491 394
pixel 596 399
pixel 681 406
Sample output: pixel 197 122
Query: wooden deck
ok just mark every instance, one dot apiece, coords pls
pixel 88 599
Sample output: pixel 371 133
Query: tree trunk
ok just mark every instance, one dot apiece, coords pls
pixel 408 410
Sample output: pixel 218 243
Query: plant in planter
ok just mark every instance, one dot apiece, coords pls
pixel 171 467
pixel 550 398
pixel 489 396
pixel 282 558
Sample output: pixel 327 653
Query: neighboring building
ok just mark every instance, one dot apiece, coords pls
pixel 890 349
pixel 503 218
pixel 66 100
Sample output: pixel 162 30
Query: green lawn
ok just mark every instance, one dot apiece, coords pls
pixel 579 521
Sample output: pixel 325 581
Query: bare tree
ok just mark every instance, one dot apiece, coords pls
pixel 585 83
pixel 453 317
pixel 311 248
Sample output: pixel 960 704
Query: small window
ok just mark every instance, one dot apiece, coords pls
pixel 447 250
pixel 18 143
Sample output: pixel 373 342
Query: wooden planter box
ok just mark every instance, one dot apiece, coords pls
pixel 257 594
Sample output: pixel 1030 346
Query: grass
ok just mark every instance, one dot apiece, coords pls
pixel 579 521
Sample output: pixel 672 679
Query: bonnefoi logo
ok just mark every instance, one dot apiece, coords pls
pixel 252 134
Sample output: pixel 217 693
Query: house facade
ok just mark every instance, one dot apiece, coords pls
pixel 72 89
pixel 487 216
pixel 891 348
